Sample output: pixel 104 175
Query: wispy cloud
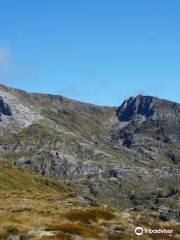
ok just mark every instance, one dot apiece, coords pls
pixel 5 56
pixel 5 61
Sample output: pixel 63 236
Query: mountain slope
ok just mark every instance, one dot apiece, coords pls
pixel 32 206
pixel 37 207
pixel 107 153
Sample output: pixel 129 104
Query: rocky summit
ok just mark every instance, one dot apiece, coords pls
pixel 127 156
pixel 145 108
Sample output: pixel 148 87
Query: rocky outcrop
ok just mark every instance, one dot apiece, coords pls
pixel 4 108
pixel 14 103
pixel 134 106
pixel 143 108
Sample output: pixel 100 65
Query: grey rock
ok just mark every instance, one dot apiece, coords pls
pixel 5 108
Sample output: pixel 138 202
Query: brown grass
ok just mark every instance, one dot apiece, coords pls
pixel 7 231
pixel 58 236
pixel 30 202
pixel 74 229
pixel 89 215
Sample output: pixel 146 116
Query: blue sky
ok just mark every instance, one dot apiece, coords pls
pixel 96 51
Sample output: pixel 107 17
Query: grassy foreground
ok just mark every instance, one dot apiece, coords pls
pixel 35 207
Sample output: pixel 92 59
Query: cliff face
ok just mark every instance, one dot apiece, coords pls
pixel 128 156
pixel 4 108
pixel 134 106
pixel 145 108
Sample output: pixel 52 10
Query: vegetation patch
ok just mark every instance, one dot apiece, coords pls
pixel 89 215
pixel 6 232
pixel 59 236
pixel 74 229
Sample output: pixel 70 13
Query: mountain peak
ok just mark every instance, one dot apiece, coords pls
pixel 141 108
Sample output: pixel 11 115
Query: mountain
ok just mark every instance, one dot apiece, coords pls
pixel 127 156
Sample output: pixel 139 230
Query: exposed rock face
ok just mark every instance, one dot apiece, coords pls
pixel 134 106
pixel 128 156
pixel 15 102
pixel 5 108
pixel 6 115
pixel 142 108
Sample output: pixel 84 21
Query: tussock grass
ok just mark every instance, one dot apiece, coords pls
pixel 75 229
pixel 17 179
pixel 31 202
pixel 89 215
pixel 58 236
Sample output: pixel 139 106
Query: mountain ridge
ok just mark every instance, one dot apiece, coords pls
pixel 3 86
